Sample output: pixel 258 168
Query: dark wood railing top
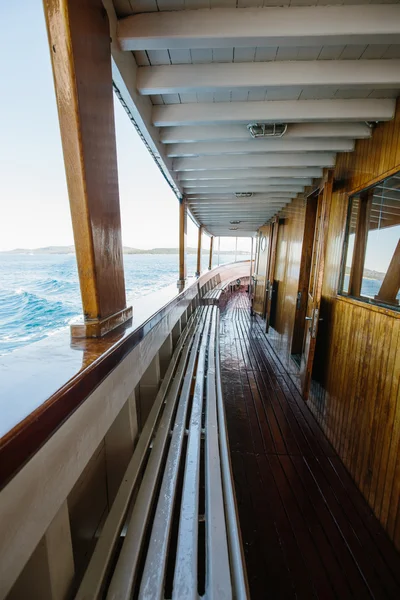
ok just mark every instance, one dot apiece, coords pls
pixel 58 375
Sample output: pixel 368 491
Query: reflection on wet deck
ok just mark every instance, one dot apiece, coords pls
pixel 307 531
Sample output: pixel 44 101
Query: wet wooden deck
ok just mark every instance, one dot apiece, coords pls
pixel 307 531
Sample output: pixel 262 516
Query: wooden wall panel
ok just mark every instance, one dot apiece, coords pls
pixel 356 393
pixel 287 277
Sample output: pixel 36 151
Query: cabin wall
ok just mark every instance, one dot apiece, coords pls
pixel 355 394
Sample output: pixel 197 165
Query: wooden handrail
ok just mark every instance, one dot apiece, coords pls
pixel 19 444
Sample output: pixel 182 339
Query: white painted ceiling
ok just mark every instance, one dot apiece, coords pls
pixel 193 73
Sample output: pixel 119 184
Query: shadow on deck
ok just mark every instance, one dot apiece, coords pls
pixel 307 531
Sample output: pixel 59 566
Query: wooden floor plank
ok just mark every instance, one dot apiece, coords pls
pixel 307 530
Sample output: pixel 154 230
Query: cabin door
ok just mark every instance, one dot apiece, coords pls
pixel 260 271
pixel 312 317
pixel 304 278
pixel 270 291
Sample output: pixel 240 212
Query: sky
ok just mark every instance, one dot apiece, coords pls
pixel 33 191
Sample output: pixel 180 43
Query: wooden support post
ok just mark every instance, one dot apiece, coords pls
pixel 79 40
pixel 360 243
pixel 198 270
pixel 391 284
pixel 211 253
pixel 182 244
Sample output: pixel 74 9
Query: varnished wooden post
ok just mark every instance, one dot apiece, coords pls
pixel 211 253
pixel 391 283
pixel 198 270
pixel 79 40
pixel 182 244
pixel 360 244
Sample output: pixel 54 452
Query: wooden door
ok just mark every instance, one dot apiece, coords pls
pixel 315 286
pixel 271 272
pixel 260 271
pixel 304 277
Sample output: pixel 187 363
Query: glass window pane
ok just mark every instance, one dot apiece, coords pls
pixel 383 235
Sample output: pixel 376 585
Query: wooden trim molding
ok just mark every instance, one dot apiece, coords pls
pixel 360 243
pixel 362 303
pixel 374 182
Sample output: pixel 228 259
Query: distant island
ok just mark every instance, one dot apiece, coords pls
pixel 126 250
pixel 369 274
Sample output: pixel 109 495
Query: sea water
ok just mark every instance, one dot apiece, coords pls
pixel 39 293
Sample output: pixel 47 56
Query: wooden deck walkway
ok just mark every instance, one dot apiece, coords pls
pixel 307 531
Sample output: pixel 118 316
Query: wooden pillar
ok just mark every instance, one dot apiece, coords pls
pixel 360 243
pixel 391 283
pixel 211 253
pixel 79 40
pixel 198 270
pixel 182 244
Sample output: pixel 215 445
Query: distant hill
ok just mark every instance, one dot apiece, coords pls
pixel 127 250
pixel 368 274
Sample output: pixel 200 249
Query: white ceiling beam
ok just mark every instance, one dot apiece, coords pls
pixel 238 133
pixel 188 185
pixel 232 199
pixel 250 27
pixel 247 185
pixel 269 174
pixel 238 216
pixel 307 159
pixel 259 146
pixel 239 202
pixel 227 189
pixel 215 77
pixel 272 111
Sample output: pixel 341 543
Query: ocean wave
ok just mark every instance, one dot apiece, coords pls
pixel 26 317
pixel 40 294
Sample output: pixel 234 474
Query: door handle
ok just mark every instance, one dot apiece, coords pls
pixel 309 318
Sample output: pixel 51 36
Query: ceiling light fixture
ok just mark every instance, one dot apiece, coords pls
pixel 243 194
pixel 233 228
pixel 257 130
pixel 235 222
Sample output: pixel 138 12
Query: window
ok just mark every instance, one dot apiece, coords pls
pixel 371 256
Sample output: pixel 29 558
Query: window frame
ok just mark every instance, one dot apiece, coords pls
pixel 360 193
